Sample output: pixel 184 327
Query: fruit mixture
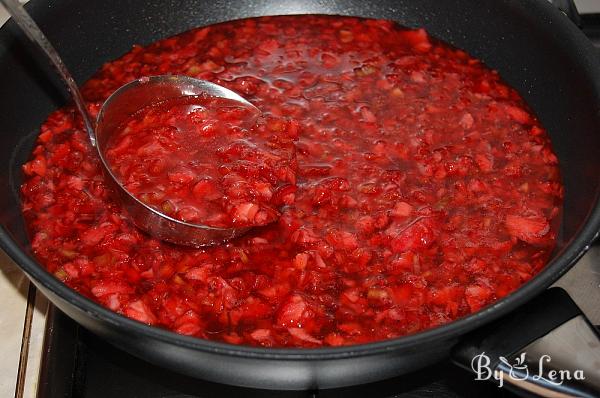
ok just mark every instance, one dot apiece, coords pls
pixel 426 190
pixel 203 160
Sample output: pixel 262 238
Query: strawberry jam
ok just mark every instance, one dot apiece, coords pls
pixel 203 161
pixel 426 189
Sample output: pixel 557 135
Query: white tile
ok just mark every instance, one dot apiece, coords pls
pixel 36 346
pixel 13 295
pixel 588 6
pixel 3 16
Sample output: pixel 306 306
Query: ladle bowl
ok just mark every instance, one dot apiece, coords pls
pixel 123 103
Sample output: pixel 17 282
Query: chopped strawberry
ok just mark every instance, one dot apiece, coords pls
pixel 402 209
pixel 411 186
pixel 36 166
pixel 139 311
pixel 301 260
pixel 245 213
pixel 103 288
pixel 261 335
pixel 291 311
pixel 199 273
pixel 418 39
pixel 528 229
pixel 466 121
pixel 301 334
pixel 94 235
pixel 518 114
pixel 420 234
pixel 477 296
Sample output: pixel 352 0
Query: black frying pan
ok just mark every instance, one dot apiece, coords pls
pixel 535 48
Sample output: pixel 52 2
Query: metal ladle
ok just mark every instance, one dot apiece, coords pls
pixel 125 101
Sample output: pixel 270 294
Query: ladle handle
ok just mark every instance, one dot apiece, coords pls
pixel 31 29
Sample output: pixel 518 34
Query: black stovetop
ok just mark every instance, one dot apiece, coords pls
pixel 76 363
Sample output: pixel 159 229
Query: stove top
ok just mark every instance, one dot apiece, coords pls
pixel 76 363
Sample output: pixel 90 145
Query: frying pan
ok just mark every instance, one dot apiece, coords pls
pixel 535 48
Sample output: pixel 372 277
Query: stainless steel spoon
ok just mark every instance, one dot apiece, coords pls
pixel 122 103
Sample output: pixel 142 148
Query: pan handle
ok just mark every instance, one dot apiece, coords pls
pixel 545 348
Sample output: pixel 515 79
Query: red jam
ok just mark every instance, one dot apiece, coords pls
pixel 426 190
pixel 204 161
